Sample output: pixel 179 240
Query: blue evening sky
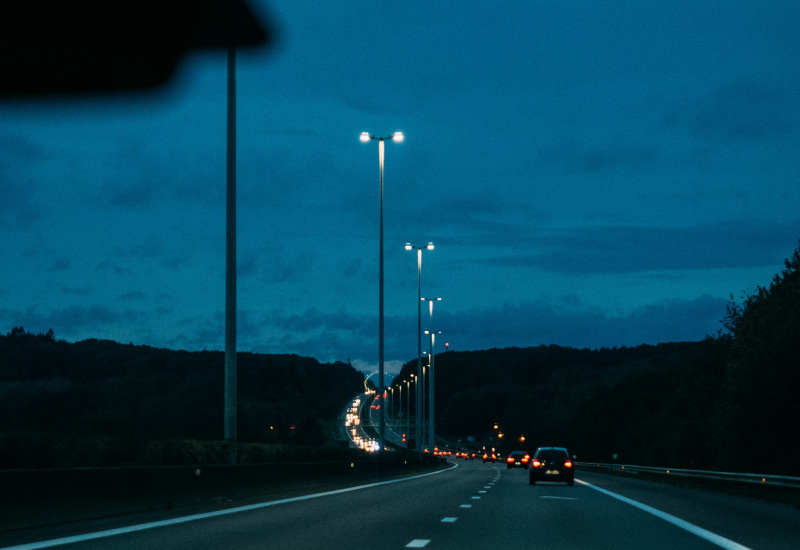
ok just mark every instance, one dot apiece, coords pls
pixel 592 174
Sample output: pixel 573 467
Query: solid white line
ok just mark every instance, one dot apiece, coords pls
pixel 195 517
pixel 694 529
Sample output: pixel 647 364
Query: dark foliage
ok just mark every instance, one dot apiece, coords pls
pixel 644 405
pixel 98 402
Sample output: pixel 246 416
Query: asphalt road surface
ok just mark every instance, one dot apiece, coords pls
pixel 471 506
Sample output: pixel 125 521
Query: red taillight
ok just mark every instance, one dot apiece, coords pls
pixel 568 464
pixel 536 463
pixel 526 458
pixel 510 459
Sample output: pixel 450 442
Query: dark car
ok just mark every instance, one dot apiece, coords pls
pixel 552 464
pixel 518 459
pixel 487 456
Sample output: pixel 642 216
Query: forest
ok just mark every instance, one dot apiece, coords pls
pixel 728 402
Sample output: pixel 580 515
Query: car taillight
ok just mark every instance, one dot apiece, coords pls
pixel 536 463
pixel 526 458
pixel 568 464
pixel 510 459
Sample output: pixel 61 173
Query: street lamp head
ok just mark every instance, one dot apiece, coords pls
pixel 430 246
pixel 398 137
pixel 408 246
pixel 364 137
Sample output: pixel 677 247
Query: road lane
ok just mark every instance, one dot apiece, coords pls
pixel 512 513
pixel 482 506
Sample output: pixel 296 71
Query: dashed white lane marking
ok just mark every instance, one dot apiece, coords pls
pixel 449 520
pixel 466 506
pixel 482 492
pixel 418 543
pixel 476 498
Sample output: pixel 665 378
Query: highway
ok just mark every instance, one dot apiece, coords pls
pixel 471 505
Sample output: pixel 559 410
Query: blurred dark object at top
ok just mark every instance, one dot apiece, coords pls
pixel 50 47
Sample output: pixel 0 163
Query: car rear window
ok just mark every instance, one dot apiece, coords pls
pixel 552 455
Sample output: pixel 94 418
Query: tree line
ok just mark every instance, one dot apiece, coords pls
pixel 98 402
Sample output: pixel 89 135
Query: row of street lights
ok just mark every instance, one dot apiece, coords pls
pixel 398 137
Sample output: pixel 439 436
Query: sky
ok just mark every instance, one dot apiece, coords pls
pixel 592 174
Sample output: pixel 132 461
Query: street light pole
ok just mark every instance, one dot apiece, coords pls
pixel 417 397
pixel 408 407
pixel 230 267
pixel 397 137
pixel 431 439
pixel 400 386
pixel 431 415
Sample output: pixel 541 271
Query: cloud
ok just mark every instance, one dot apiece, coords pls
pixel 579 158
pixel 742 110
pixel 19 206
pixel 545 323
pixel 77 322
pixel 59 264
pixel 623 249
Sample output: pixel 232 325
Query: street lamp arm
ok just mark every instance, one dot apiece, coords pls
pixel 397 137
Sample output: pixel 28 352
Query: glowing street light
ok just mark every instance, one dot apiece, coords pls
pixel 408 403
pixel 418 417
pixel 431 416
pixel 397 137
pixel 430 371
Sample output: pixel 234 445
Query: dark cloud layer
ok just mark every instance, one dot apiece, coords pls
pixel 603 250
pixel 591 174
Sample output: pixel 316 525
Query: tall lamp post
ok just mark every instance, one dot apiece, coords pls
pixel 418 417
pixel 431 440
pixel 408 405
pixel 230 267
pixel 400 388
pixel 397 137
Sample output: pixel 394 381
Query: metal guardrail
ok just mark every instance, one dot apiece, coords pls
pixel 759 479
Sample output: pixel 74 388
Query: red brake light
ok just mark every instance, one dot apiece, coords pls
pixel 536 463
pixel 568 463
pixel 526 458
pixel 510 459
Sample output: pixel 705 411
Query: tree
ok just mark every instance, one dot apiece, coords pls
pixel 759 408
